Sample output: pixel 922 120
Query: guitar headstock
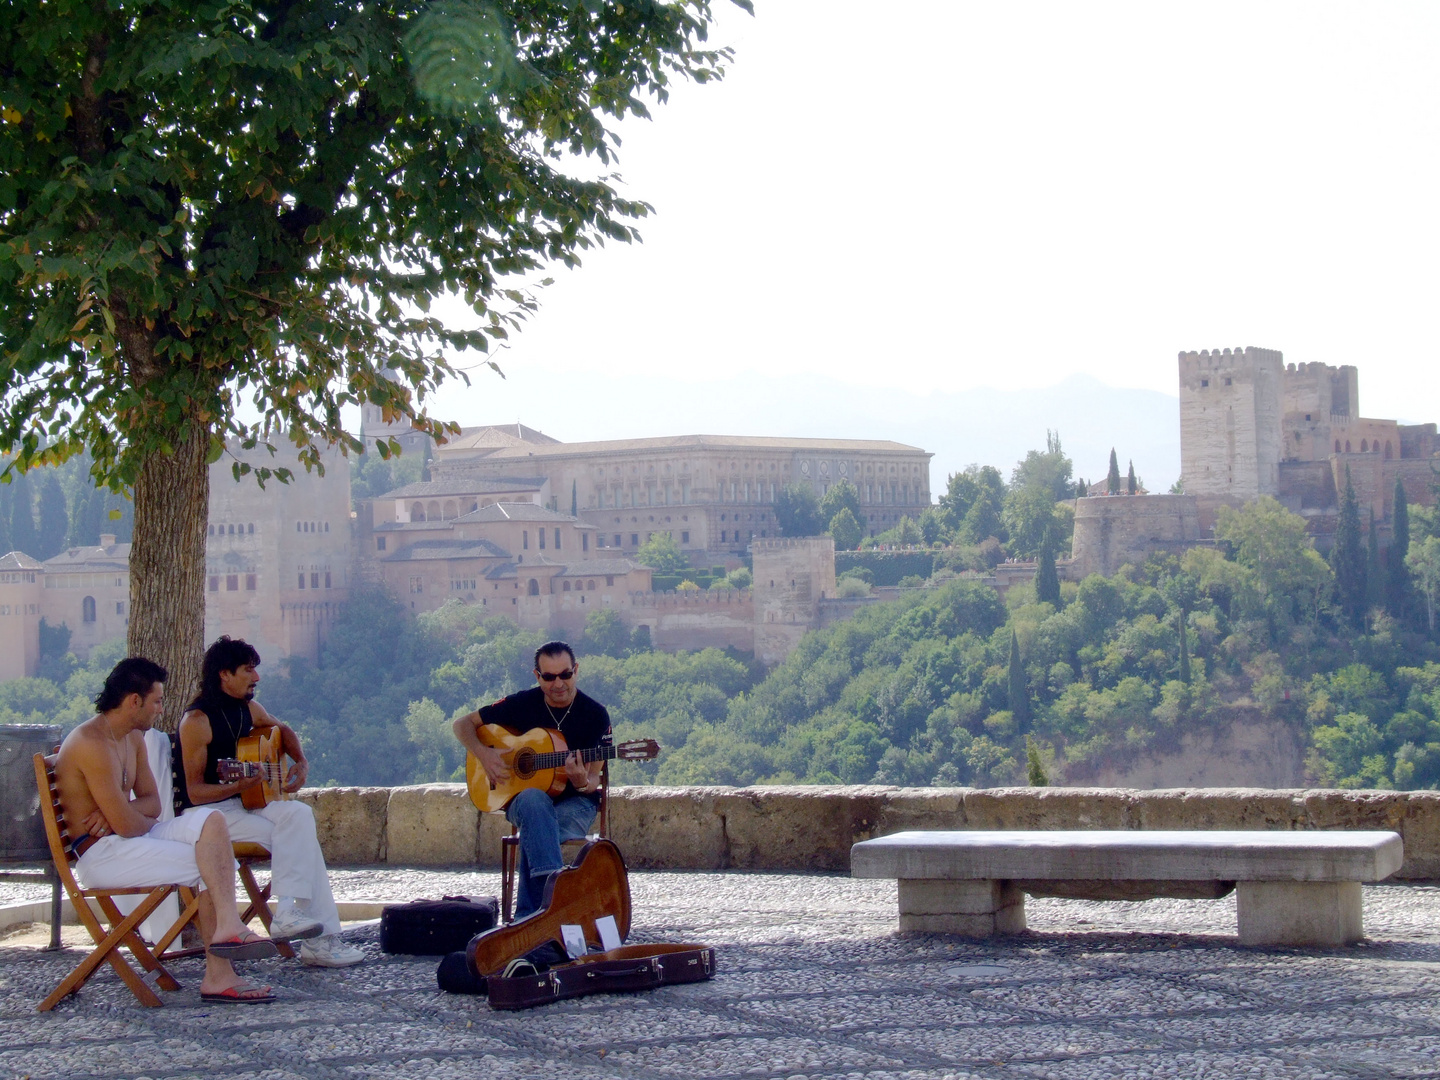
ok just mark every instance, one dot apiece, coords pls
pixel 230 771
pixel 637 750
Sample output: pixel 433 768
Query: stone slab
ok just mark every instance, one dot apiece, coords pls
pixel 1180 855
pixel 673 828
pixel 350 822
pixel 799 827
pixel 432 825
pixel 1273 913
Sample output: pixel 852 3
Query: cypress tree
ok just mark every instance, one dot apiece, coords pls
pixel 574 503
pixel 7 504
pixel 1047 581
pixel 1112 478
pixel 1132 486
pixel 1019 699
pixel 54 517
pixel 1184 652
pixel 22 518
pixel 1347 558
pixel 1397 599
pixel 1374 570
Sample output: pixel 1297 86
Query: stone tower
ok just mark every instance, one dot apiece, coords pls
pixel 1231 404
pixel 792 576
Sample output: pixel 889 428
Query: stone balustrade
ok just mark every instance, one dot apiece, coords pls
pixel 812 828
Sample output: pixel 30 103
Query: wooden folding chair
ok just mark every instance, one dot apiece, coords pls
pixel 510 848
pixel 122 928
pixel 247 854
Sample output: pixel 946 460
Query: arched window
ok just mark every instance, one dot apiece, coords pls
pixel 1364 447
pixel 450 513
pixel 533 588
pixel 417 510
pixel 87 608
pixel 1389 450
pixel 1347 446
pixel 1337 446
pixel 432 510
pixel 566 587
pixel 590 585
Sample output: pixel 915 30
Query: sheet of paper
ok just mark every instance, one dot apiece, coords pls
pixel 608 931
pixel 574 938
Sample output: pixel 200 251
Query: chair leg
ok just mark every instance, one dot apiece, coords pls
pixel 136 944
pixel 509 857
pixel 191 907
pixel 260 906
pixel 107 946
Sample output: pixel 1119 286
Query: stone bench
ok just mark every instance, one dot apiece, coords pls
pixel 1292 888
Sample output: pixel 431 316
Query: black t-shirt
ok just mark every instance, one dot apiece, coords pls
pixel 229 723
pixel 585 724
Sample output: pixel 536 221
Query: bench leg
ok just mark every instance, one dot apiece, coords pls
pixel 972 908
pixel 1298 912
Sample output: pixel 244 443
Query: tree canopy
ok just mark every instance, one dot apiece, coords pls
pixel 231 220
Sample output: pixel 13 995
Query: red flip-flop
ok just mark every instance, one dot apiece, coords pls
pixel 242 993
pixel 246 946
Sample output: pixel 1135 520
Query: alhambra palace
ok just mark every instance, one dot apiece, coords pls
pixel 546 532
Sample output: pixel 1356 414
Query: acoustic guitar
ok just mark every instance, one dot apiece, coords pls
pixel 257 755
pixel 596 886
pixel 537 760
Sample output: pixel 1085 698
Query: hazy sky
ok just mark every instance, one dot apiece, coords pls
pixel 951 195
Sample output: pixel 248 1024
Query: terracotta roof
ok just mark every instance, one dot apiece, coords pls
pixel 18 560
pixel 497 435
pixel 447 549
pixel 89 559
pixel 495 485
pixel 414 526
pixel 702 442
pixel 592 568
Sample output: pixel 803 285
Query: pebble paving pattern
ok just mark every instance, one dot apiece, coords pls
pixel 813 982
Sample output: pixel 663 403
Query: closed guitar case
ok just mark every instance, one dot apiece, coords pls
pixel 435 927
pixel 628 969
pixel 596 886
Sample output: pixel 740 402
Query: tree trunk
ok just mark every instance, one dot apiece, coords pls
pixel 167 567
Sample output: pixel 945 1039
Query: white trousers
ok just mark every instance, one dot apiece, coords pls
pixel 163 856
pixel 297 868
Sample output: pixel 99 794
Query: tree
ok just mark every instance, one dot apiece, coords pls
pixel 846 530
pixel 797 511
pixel 1019 697
pixel 1396 578
pixel 1034 764
pixel 1423 562
pixel 661 553
pixel 1047 581
pixel 23 536
pixel 1112 478
pixel 605 633
pixel 54 518
pixel 842 495
pixel 1375 589
pixel 253 205
pixel 574 499
pixel 1037 484
pixel 1347 558
pixel 1132 486
pixel 1274 548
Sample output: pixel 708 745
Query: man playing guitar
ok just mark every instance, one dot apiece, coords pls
pixel 224 713
pixel 545 822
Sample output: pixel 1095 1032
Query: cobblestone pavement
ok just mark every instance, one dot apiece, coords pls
pixel 813 982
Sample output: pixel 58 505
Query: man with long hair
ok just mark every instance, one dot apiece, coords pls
pixel 224 712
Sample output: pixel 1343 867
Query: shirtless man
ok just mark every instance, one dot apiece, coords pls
pixel 108 796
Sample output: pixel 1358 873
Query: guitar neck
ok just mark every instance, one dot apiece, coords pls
pixel 556 758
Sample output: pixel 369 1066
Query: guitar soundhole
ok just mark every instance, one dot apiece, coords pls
pixel 524 765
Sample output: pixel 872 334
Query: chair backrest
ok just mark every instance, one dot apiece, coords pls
pixel 53 815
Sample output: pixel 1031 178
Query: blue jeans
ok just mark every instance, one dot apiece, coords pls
pixel 543 825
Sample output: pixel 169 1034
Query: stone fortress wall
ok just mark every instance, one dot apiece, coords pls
pixel 1250 425
pixel 806 829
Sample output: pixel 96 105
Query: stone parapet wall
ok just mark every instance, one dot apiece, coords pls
pixel 812 828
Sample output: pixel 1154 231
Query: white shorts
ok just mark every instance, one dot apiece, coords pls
pixel 163 856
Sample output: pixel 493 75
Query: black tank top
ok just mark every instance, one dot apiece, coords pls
pixel 229 723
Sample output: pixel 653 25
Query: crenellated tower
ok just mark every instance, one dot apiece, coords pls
pixel 1231 404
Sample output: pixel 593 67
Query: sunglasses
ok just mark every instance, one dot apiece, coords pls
pixel 551 676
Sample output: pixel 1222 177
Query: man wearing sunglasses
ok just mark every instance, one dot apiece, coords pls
pixel 545 822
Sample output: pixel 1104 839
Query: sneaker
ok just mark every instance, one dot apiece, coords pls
pixel 293 926
pixel 329 951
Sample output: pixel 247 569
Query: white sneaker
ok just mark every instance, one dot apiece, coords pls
pixel 293 926
pixel 329 951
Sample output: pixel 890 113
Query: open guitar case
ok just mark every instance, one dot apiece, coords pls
pixel 525 963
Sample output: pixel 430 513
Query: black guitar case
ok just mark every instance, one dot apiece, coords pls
pixel 436 927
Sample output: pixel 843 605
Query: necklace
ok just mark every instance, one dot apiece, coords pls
pixel 560 724
pixel 233 728
pixel 124 769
